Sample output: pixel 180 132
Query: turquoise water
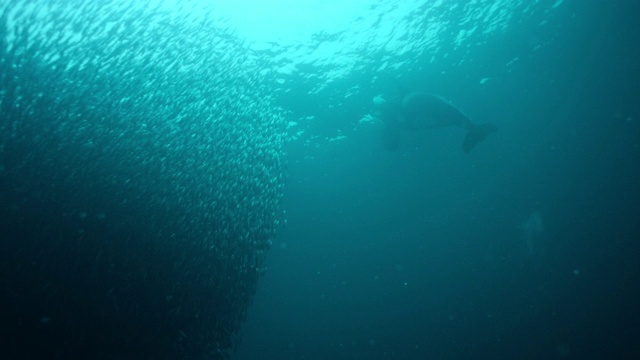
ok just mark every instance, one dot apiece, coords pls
pixel 523 248
pixel 185 180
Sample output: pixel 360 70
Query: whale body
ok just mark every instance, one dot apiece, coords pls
pixel 420 110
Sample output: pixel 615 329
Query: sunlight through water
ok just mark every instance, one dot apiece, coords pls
pixel 287 21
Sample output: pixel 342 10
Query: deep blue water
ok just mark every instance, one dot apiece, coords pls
pixel 525 248
pixel 168 190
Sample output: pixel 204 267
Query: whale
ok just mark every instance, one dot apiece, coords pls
pixel 418 111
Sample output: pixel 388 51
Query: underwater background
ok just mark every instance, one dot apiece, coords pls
pixel 177 183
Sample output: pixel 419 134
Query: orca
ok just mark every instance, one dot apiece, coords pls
pixel 416 111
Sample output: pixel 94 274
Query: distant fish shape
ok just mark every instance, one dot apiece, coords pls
pixel 532 229
pixel 421 110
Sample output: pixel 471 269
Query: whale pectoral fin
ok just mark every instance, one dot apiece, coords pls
pixel 476 134
pixel 391 137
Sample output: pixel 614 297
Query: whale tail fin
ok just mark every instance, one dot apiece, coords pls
pixel 476 134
